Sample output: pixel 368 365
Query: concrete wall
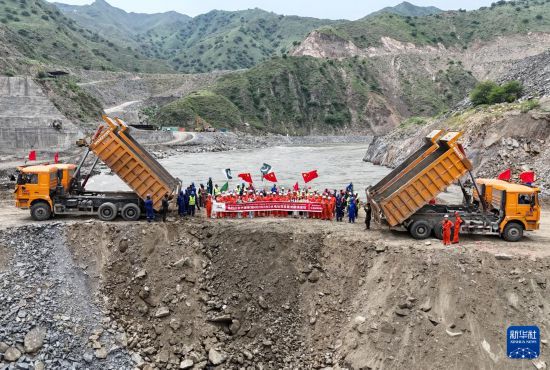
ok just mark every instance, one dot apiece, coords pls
pixel 26 117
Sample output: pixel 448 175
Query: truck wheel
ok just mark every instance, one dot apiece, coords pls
pixel 438 232
pixel 130 212
pixel 513 232
pixel 41 211
pixel 420 230
pixel 107 212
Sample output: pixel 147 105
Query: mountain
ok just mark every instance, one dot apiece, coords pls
pixel 451 28
pixel 116 24
pixel 218 40
pixel 36 32
pixel 407 9
pixel 304 95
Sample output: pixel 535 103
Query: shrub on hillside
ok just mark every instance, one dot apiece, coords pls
pixel 488 92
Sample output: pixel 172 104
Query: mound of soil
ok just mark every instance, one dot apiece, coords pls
pixel 283 294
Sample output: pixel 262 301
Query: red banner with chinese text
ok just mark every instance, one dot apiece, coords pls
pixel 268 206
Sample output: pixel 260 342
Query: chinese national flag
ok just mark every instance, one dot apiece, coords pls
pixel 270 177
pixel 310 176
pixel 296 186
pixel 527 177
pixel 506 175
pixel 56 158
pixel 32 155
pixel 246 177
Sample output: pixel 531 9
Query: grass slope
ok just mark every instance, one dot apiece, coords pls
pixel 44 35
pixel 452 28
pixel 218 40
pixel 407 9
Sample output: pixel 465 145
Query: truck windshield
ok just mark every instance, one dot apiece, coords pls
pixel 526 199
pixel 27 178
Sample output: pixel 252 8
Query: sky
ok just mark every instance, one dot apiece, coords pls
pixel 331 9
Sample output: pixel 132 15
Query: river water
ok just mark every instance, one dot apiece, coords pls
pixel 337 165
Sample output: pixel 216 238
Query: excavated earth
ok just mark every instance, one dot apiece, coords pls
pixel 263 294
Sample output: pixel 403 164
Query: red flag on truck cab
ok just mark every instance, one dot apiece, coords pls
pixel 56 158
pixel 270 177
pixel 246 177
pixel 296 186
pixel 527 177
pixel 310 176
pixel 505 175
pixel 32 155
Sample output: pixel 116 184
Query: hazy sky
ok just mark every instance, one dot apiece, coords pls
pixel 333 9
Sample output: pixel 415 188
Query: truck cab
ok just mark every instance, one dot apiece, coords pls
pixel 35 189
pixel 517 206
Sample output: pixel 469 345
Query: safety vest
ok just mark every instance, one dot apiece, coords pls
pixel 217 191
pixel 191 200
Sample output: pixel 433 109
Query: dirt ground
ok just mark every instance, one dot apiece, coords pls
pixel 272 293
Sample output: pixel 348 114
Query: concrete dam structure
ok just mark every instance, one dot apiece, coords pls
pixel 29 120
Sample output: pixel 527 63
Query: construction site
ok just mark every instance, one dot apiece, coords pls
pixel 247 190
pixel 82 288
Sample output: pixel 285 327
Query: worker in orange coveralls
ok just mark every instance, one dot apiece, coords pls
pixel 447 225
pixel 325 204
pixel 458 222
pixel 209 206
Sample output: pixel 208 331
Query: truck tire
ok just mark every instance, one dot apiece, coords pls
pixel 130 212
pixel 420 229
pixel 438 231
pixel 41 211
pixel 513 232
pixel 107 212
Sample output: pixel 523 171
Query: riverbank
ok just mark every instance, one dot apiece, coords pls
pixel 200 142
pixel 495 138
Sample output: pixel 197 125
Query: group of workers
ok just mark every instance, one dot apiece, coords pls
pixel 334 204
pixel 447 227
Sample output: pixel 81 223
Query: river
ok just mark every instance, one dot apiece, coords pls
pixel 337 165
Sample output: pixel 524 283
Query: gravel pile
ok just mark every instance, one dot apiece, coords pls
pixel 46 312
pixel 533 72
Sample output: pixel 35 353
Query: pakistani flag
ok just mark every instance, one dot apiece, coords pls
pixel 227 173
pixel 225 187
pixel 265 169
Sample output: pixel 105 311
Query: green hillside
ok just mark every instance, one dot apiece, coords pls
pixel 301 95
pixel 42 34
pixel 449 28
pixel 116 24
pixel 407 9
pixel 218 40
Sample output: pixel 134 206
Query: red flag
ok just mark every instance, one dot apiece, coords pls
pixel 56 158
pixel 527 177
pixel 310 176
pixel 32 155
pixel 506 175
pixel 270 177
pixel 246 177
pixel 296 186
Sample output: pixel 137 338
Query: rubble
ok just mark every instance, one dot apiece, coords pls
pixel 233 307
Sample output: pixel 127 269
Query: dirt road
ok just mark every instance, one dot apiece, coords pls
pixel 534 244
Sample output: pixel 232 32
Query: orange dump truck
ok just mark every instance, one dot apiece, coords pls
pixel 60 189
pixel 403 197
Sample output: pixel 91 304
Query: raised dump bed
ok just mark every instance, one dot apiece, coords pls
pixel 420 178
pixel 115 147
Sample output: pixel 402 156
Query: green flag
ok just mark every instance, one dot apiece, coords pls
pixel 225 187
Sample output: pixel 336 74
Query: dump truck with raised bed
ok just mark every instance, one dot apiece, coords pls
pixel 404 197
pixel 60 189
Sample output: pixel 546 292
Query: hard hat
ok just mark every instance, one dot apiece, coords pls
pixel 456 212
pixel 446 216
